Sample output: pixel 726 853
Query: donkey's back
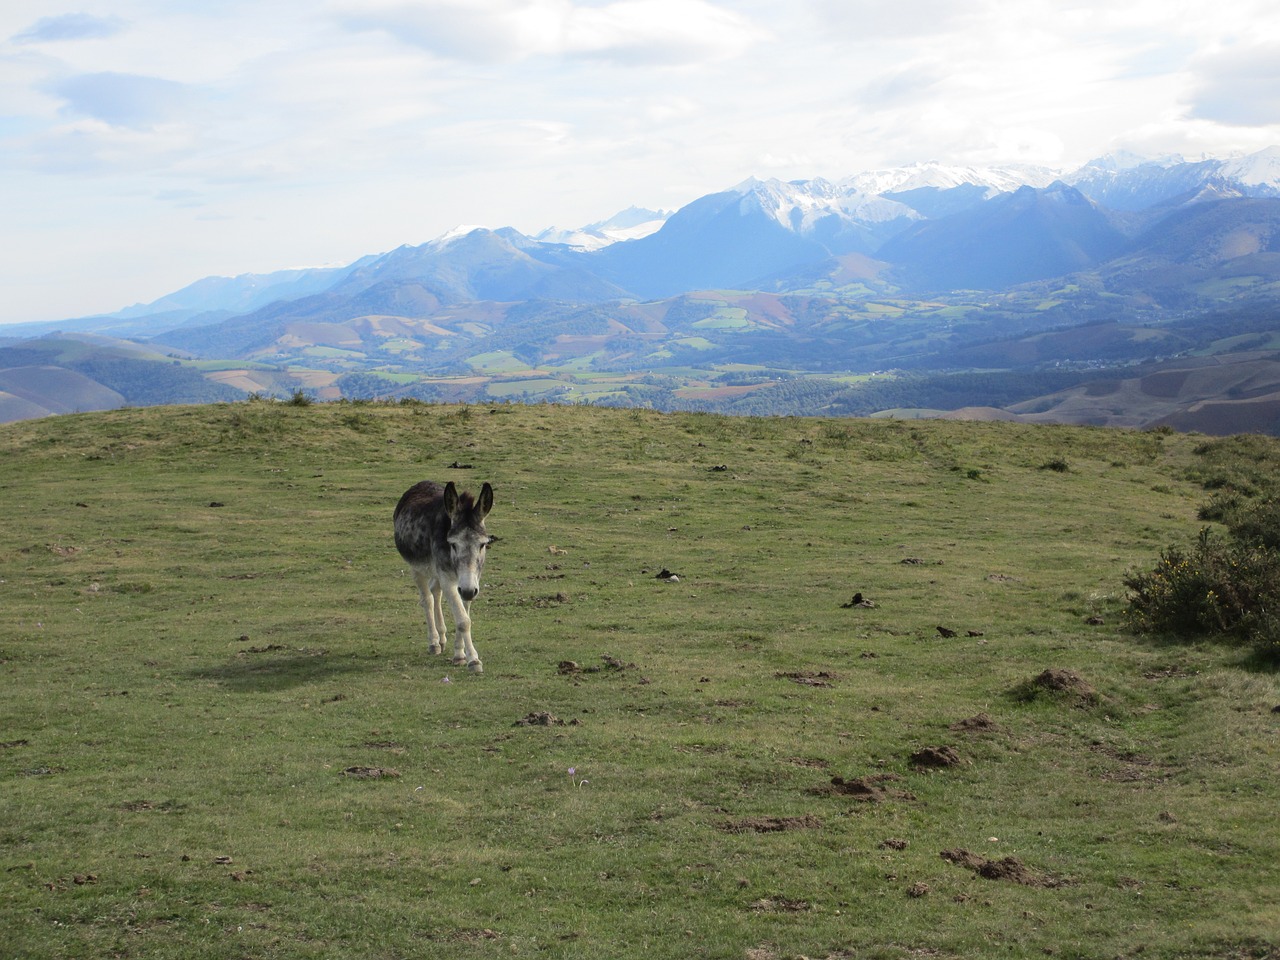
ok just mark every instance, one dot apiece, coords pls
pixel 418 518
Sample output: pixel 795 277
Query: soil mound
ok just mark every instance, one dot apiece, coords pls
pixel 936 757
pixel 869 789
pixel 1009 868
pixel 978 723
pixel 1059 684
pixel 541 718
pixel 371 773
pixel 770 824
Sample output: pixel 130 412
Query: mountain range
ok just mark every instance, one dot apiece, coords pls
pixel 928 268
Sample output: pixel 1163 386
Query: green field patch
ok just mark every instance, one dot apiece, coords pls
pixel 725 318
pixel 718 393
pixel 401 345
pixel 497 361
pixel 579 365
pixel 692 343
pixel 1266 340
pixel 332 353
pixel 876 309
pixel 213 366
pixel 534 387
pixel 1226 288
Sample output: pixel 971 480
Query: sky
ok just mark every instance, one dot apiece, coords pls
pixel 145 144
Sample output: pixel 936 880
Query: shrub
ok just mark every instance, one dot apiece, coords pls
pixel 1218 587
pixel 1258 524
pixel 1230 586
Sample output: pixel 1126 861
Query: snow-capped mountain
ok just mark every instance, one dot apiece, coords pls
pixel 939 176
pixel 927 214
pixel 1259 170
pixel 631 224
pixel 800 205
pixel 1126 182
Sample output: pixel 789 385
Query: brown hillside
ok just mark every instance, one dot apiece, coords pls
pixel 1217 395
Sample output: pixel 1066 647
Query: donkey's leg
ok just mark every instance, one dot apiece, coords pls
pixel 464 650
pixel 440 637
pixel 429 600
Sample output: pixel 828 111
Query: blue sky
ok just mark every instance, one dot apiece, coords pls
pixel 147 143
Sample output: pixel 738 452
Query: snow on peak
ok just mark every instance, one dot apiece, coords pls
pixel 1256 169
pixel 461 230
pixel 1122 160
pixel 799 204
pixel 630 224
pixel 998 179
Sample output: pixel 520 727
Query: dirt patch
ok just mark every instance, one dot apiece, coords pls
pixel 1002 578
pixel 770 824
pixel 542 602
pixel 815 763
pixel 608 664
pixel 809 678
pixel 1010 869
pixel 541 718
pixel 869 789
pixel 894 843
pixel 143 806
pixel 1169 673
pixel 1133 767
pixel 978 723
pixel 371 773
pixel 780 905
pixel 936 757
pixel 268 648
pixel 1059 684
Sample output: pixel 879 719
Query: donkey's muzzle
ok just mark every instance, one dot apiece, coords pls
pixel 468 593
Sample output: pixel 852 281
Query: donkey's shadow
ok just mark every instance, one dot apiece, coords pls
pixel 254 673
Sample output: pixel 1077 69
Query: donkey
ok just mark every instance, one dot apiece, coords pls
pixel 440 533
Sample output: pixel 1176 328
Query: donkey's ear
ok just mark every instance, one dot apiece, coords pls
pixel 485 503
pixel 450 498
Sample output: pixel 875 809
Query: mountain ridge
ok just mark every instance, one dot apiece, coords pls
pixel 944 269
pixel 1121 183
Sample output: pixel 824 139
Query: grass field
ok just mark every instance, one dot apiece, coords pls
pixel 221 734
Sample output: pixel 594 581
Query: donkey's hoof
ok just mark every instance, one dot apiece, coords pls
pixel 475 666
pixel 436 649
pixel 459 661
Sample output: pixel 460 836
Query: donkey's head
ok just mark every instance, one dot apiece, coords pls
pixel 468 539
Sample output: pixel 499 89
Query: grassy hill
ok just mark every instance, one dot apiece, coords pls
pixel 223 735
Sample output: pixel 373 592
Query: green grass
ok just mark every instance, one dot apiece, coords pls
pixel 182 685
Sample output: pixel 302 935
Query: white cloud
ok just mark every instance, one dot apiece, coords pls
pixel 123 99
pixel 70 26
pixel 1239 85
pixel 659 32
pixel 628 32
